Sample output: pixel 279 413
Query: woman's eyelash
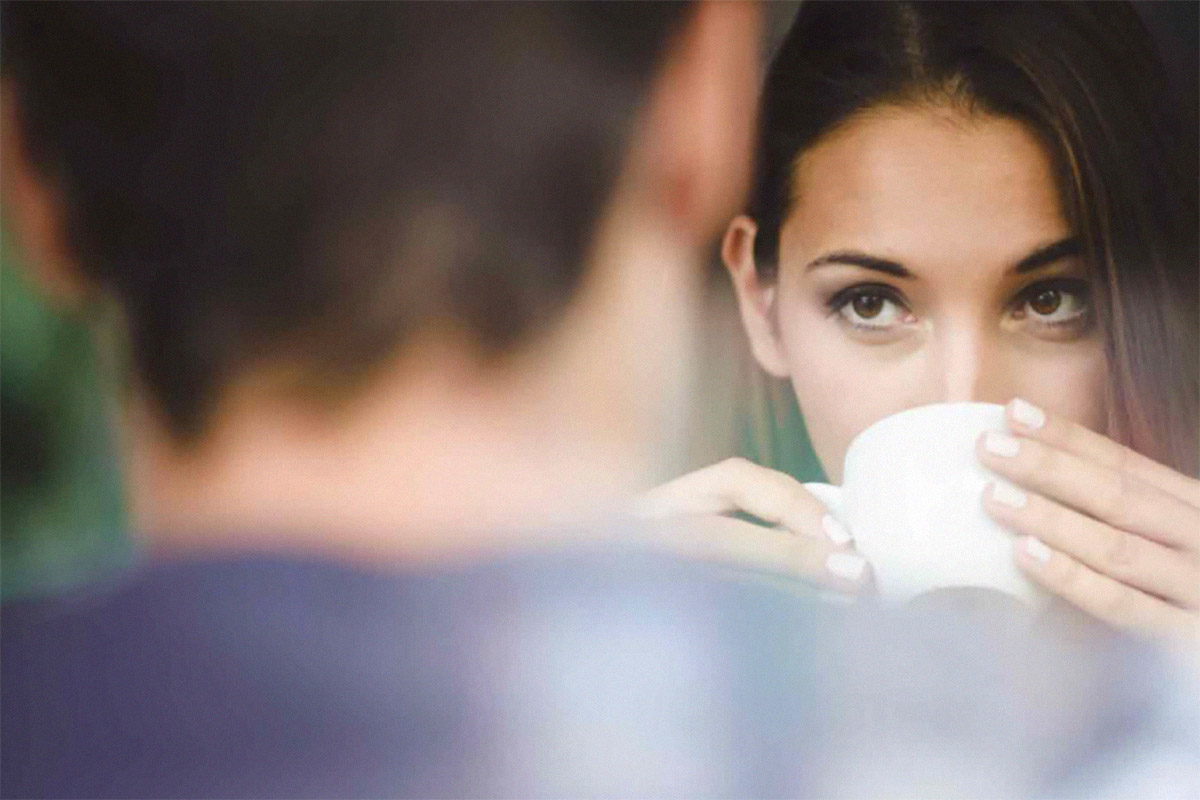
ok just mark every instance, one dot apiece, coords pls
pixel 1071 286
pixel 1076 286
pixel 844 297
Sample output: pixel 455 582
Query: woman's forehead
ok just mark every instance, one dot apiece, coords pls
pixel 926 187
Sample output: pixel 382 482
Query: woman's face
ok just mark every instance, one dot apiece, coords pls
pixel 926 259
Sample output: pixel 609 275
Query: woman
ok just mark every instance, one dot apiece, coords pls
pixel 983 202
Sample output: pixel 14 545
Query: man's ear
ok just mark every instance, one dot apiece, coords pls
pixel 702 119
pixel 34 211
pixel 756 298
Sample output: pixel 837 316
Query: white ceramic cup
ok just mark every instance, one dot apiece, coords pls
pixel 911 495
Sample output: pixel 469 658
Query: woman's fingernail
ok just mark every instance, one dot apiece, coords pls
pixel 1009 495
pixel 1037 549
pixel 835 530
pixel 1027 413
pixel 1001 444
pixel 846 565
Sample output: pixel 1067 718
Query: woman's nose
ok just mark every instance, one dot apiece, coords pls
pixel 970 368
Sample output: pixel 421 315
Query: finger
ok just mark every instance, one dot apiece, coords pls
pixel 740 485
pixel 745 545
pixel 1126 557
pixel 1099 595
pixel 1028 420
pixel 1101 492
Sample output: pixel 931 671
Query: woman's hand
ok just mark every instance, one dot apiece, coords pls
pixel 1109 530
pixel 806 541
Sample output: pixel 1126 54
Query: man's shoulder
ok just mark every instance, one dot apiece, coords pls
pixel 595 670
pixel 351 680
pixel 262 602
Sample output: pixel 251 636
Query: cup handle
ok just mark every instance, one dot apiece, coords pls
pixel 828 494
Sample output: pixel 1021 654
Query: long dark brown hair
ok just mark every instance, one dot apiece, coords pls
pixel 1087 79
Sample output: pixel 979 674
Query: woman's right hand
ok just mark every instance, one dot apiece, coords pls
pixel 805 542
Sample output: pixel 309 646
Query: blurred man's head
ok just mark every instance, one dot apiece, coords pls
pixel 308 206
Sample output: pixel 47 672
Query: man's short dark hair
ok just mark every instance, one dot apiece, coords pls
pixel 316 182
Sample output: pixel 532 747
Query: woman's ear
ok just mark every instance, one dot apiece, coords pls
pixel 756 298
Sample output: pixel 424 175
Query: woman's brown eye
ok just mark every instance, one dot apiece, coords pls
pixel 868 306
pixel 1047 302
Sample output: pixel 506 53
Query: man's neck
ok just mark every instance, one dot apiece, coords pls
pixel 437 466
pixel 442 456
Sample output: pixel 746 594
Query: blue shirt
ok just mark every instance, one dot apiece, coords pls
pixel 591 671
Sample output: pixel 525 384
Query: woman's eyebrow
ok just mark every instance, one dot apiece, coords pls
pixel 1042 257
pixel 1045 256
pixel 857 259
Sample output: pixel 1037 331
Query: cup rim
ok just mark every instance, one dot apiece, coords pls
pixel 873 429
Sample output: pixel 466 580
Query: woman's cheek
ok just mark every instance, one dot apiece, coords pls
pixel 843 387
pixel 840 391
pixel 1071 385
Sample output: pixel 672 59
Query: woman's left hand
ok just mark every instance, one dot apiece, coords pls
pixel 1107 529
